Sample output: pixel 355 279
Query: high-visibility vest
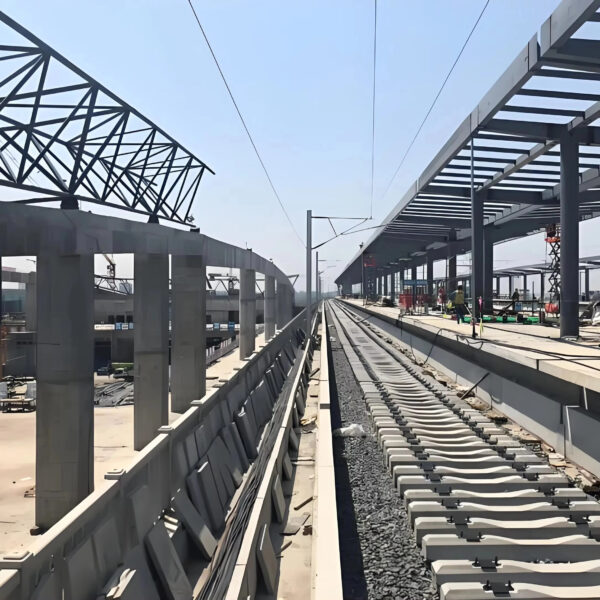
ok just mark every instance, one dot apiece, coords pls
pixel 459 298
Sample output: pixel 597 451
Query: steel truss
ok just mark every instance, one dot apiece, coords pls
pixel 65 137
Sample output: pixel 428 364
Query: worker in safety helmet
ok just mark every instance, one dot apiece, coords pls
pixel 458 299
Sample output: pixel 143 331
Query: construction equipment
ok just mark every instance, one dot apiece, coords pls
pixel 553 241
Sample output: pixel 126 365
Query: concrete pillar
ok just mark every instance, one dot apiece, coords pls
pixel 247 312
pixel 542 287
pixel 524 287
pixel 31 302
pixel 64 466
pixel 430 276
pixel 188 323
pixel 150 346
pixel 510 285
pixel 413 276
pixel 280 306
pixel 497 286
pixel 393 287
pixel 385 285
pixel 477 251
pixel 569 236
pixel 269 307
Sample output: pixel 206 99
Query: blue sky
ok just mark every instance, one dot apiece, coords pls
pixel 301 73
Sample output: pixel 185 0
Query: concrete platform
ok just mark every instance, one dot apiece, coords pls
pixel 113 449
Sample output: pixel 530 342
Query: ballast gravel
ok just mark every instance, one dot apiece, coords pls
pixel 380 559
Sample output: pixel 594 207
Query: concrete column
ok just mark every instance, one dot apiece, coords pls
pixel 31 302
pixel 280 308
pixel 248 312
pixel 488 273
pixel 569 236
pixel 542 287
pixel 524 287
pixel 188 323
pixel 510 285
pixel 269 307
pixel 430 276
pixel 150 346
pixel 385 285
pixel 477 251
pixel 497 286
pixel 413 276
pixel 393 287
pixel 289 303
pixel 64 466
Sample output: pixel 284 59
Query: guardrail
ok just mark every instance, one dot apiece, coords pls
pixel 107 515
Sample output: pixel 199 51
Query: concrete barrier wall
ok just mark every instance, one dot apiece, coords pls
pixel 118 516
pixel 248 573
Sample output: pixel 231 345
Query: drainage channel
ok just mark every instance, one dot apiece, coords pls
pixel 492 519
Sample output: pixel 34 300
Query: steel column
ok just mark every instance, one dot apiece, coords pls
pixel 451 262
pixel 488 274
pixel 569 236
pixel 477 245
pixel 430 277
pixel 586 280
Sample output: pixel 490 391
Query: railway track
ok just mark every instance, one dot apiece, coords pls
pixel 492 519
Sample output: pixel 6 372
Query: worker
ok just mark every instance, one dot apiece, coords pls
pixel 458 299
pixel 515 296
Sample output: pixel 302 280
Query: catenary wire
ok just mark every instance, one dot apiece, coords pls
pixel 373 108
pixel 239 112
pixel 387 189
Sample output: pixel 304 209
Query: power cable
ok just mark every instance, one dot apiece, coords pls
pixel 244 124
pixel 373 115
pixel 435 99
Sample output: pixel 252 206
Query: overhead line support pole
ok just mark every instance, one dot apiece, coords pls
pixel 308 269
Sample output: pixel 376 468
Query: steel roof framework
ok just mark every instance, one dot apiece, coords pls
pixel 65 137
pixel 552 88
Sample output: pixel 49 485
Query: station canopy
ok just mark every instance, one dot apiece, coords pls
pixel 550 89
